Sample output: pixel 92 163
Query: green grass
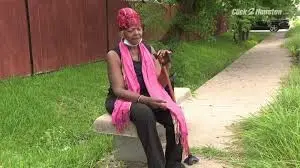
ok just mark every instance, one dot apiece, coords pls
pixel 210 152
pixel 46 120
pixel 272 138
pixel 196 62
pixel 293 41
pixel 231 156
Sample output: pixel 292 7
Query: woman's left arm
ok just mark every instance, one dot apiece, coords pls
pixel 162 78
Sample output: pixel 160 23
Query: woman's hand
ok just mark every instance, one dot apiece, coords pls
pixel 163 56
pixel 153 102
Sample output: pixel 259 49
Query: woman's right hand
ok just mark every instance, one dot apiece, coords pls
pixel 153 102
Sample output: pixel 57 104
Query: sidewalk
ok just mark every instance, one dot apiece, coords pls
pixel 239 90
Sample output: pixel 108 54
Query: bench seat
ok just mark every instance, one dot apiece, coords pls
pixel 127 145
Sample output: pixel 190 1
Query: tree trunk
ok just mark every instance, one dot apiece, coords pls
pixel 188 6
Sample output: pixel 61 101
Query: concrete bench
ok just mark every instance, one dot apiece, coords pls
pixel 128 146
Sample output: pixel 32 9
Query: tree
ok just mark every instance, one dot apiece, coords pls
pixel 197 17
pixel 241 24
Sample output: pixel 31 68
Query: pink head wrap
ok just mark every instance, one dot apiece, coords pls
pixel 127 18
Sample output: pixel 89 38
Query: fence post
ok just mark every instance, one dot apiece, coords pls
pixel 29 37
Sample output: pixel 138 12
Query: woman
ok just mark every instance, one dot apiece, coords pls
pixel 137 94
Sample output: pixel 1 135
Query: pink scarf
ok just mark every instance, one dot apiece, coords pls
pixel 120 115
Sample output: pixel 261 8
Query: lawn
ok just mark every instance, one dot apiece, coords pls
pixel 47 119
pixel 198 61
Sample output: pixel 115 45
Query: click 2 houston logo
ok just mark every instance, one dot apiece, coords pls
pixel 254 11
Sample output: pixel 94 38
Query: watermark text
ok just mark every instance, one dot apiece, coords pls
pixel 254 11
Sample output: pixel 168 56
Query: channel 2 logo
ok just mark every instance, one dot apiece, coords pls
pixel 253 11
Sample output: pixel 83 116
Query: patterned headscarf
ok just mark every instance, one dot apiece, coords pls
pixel 127 17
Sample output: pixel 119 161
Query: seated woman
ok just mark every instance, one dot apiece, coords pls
pixel 137 94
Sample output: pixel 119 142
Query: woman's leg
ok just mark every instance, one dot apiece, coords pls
pixel 173 152
pixel 144 119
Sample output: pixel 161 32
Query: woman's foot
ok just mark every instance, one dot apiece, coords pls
pixel 190 160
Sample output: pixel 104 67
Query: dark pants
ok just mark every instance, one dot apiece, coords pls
pixel 145 118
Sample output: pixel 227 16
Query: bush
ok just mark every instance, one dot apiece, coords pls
pixel 293 42
pixel 153 17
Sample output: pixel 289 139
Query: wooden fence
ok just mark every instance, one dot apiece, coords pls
pixel 45 35
pixel 14 50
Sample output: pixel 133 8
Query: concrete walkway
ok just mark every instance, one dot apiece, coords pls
pixel 239 90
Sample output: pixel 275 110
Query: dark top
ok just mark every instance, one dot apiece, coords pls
pixel 111 97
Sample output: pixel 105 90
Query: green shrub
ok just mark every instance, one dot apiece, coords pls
pixel 293 42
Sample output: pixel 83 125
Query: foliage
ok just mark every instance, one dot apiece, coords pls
pixel 204 59
pixel 293 42
pixel 199 16
pixel 203 21
pixel 152 20
pixel 240 24
pixel 289 7
pixel 271 139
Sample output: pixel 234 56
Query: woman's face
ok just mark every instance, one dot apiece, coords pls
pixel 133 34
